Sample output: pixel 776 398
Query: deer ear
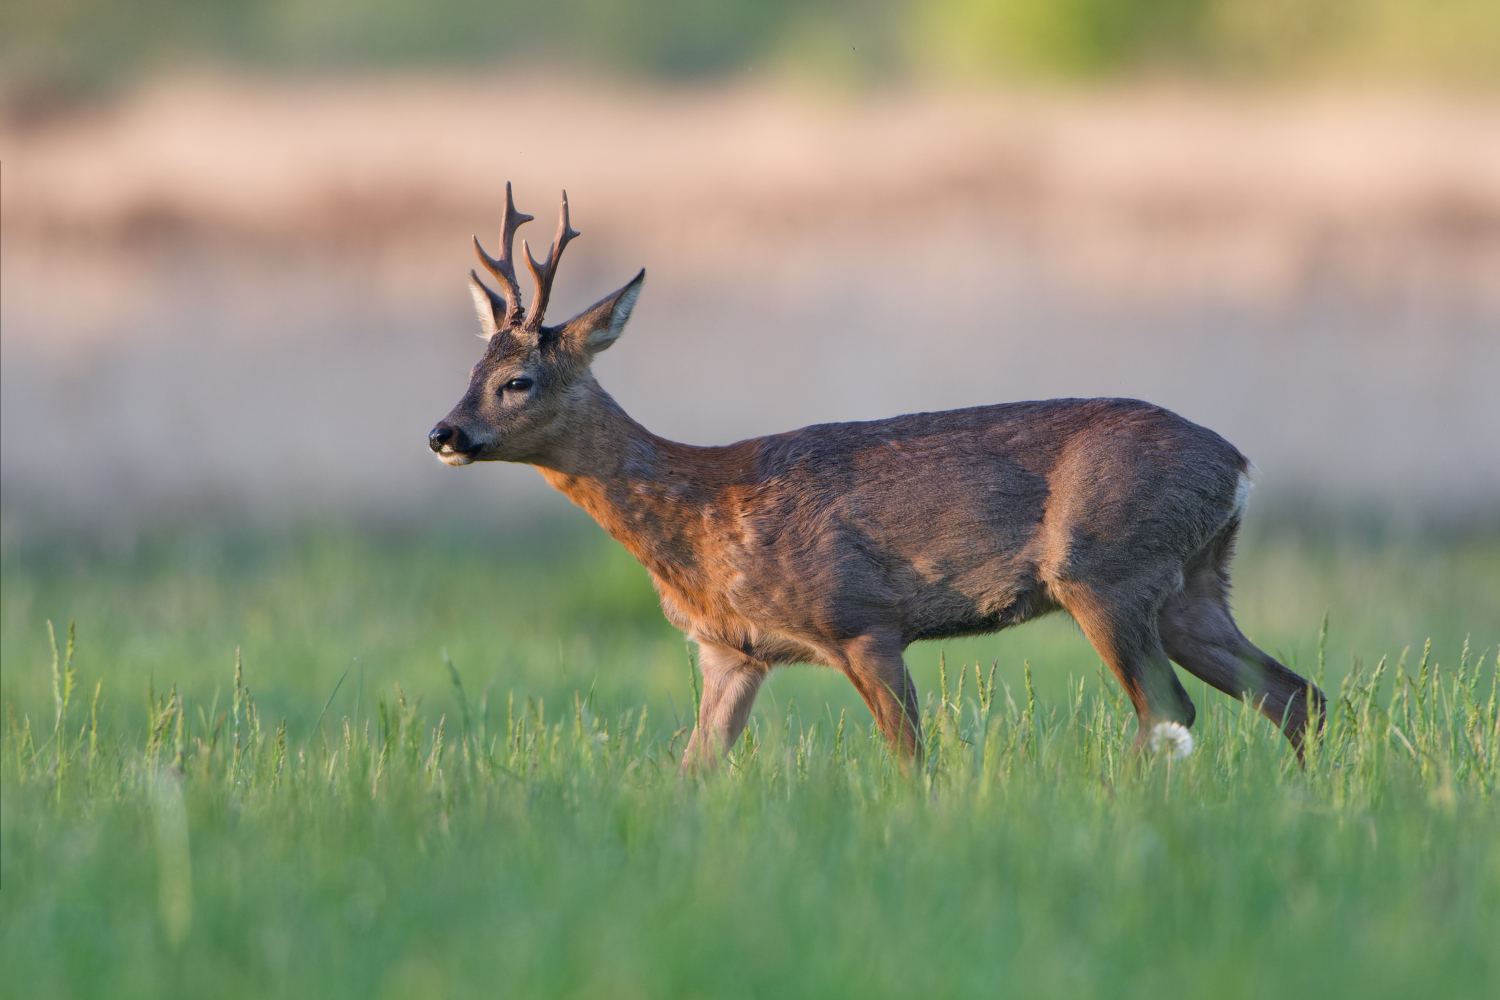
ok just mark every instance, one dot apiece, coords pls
pixel 490 307
pixel 600 325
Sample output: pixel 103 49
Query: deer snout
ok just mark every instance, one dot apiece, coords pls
pixel 445 439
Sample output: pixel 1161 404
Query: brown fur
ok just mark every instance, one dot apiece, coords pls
pixel 841 544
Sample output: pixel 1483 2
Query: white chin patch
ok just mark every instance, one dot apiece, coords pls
pixel 455 459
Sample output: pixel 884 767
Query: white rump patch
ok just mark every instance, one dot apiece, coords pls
pixel 1242 496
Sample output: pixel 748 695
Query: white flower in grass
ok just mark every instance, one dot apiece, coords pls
pixel 1173 738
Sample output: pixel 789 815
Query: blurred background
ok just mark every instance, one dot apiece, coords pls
pixel 236 238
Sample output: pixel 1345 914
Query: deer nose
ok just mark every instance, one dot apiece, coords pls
pixel 441 435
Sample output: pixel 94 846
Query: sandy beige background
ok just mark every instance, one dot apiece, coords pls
pixel 244 295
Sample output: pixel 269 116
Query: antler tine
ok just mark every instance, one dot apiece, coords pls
pixel 544 272
pixel 503 270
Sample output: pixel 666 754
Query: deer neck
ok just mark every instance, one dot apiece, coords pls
pixel 647 492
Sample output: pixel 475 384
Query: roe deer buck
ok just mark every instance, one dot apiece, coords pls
pixel 841 544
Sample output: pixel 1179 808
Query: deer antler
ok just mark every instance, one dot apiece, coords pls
pixel 502 269
pixel 544 272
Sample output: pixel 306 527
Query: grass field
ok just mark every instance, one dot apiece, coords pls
pixel 346 814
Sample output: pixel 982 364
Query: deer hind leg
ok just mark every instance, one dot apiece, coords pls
pixel 875 665
pixel 1122 628
pixel 731 681
pixel 1199 632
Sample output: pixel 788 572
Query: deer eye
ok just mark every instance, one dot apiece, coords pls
pixel 518 384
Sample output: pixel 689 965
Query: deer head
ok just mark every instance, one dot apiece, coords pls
pixel 522 391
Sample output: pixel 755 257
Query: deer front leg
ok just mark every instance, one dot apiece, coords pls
pixel 730 682
pixel 875 664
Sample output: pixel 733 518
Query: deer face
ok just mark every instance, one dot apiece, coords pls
pixel 522 393
pixel 525 388
pixel 511 403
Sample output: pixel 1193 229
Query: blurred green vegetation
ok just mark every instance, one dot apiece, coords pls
pixel 95 45
pixel 1451 41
